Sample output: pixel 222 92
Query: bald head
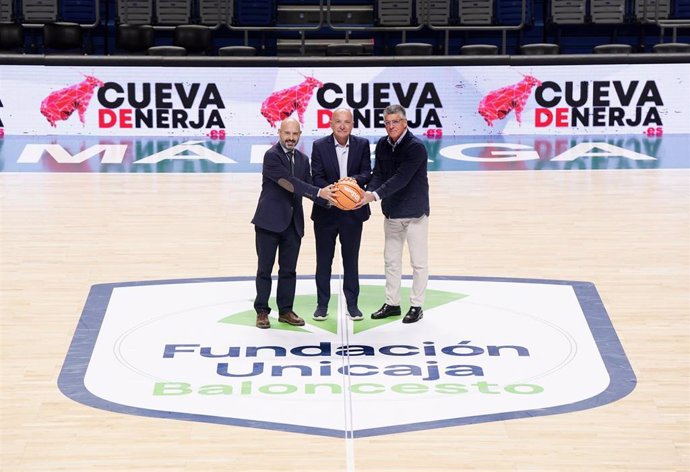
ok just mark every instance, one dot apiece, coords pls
pixel 289 133
pixel 341 124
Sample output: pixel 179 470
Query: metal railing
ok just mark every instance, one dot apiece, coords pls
pixel 446 28
pixel 502 28
pixel 663 23
pixel 350 28
pixel 302 29
pixel 673 25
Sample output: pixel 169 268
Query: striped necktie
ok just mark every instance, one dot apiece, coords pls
pixel 291 159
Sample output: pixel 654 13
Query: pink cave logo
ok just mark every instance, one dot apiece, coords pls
pixel 283 103
pixel 498 103
pixel 60 104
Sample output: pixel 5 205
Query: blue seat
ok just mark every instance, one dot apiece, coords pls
pixel 509 12
pixel 255 13
pixel 78 11
pixel 681 9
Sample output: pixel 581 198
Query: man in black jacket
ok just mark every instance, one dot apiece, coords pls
pixel 337 156
pixel 279 222
pixel 400 182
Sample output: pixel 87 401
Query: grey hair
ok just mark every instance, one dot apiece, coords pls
pixel 394 110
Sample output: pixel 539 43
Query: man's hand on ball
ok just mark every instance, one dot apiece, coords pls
pixel 367 198
pixel 328 193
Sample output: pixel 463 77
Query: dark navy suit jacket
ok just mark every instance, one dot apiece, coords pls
pixel 281 192
pixel 325 171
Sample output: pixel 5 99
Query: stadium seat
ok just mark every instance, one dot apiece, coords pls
pixel 78 11
pixel 196 39
pixel 166 51
pixel 39 11
pixel 476 12
pixel 346 49
pixel 215 12
pixel 681 9
pixel 11 38
pixel 539 49
pixel 63 36
pixel 135 12
pixel 363 27
pixel 237 51
pixel 433 12
pixel 414 49
pixel 173 12
pixel 255 12
pixel 394 12
pixel 568 11
pixel 652 9
pixel 667 48
pixel 6 11
pixel 509 12
pixel 608 11
pixel 479 50
pixel 613 49
pixel 134 38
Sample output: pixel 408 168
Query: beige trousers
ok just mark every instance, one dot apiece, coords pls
pixel 416 232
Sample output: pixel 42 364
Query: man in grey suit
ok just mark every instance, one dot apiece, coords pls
pixel 279 222
pixel 400 183
pixel 336 157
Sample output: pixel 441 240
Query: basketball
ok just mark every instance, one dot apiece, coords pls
pixel 348 194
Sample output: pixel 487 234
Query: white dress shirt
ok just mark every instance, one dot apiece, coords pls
pixel 342 151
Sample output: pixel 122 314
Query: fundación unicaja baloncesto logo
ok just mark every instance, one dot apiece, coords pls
pixel 487 349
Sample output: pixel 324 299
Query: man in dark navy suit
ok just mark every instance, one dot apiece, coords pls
pixel 279 222
pixel 336 157
pixel 400 182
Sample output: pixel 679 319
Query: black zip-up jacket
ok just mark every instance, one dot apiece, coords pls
pixel 400 177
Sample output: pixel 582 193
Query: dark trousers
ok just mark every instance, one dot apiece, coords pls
pixel 287 245
pixel 349 231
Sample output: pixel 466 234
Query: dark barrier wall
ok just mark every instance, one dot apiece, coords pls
pixel 366 61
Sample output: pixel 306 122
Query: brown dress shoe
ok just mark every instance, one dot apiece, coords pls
pixel 262 320
pixel 291 318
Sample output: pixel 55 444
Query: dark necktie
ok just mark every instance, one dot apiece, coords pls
pixel 291 159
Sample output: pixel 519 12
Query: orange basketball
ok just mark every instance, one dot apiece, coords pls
pixel 348 194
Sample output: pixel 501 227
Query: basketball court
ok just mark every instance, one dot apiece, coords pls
pixel 556 329
pixel 624 230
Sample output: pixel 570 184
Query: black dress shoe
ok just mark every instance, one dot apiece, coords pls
pixel 354 313
pixel 385 311
pixel 320 314
pixel 414 314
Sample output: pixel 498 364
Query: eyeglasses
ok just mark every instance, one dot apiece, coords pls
pixel 393 122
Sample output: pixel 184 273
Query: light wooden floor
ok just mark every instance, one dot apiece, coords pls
pixel 628 232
